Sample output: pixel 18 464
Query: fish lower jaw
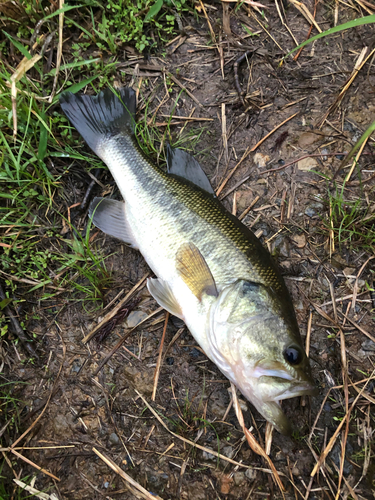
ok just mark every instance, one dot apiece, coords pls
pixel 296 391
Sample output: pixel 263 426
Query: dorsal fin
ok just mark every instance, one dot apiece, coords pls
pixel 184 165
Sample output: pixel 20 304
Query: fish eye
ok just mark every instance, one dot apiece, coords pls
pixel 293 355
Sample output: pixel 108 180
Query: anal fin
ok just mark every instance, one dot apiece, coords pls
pixel 109 216
pixel 163 295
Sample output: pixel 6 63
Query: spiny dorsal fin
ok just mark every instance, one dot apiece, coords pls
pixel 184 165
pixel 193 269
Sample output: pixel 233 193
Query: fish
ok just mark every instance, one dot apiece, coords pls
pixel 211 270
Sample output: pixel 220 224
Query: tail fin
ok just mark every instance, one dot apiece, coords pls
pixel 102 116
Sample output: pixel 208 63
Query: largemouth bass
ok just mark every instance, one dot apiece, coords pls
pixel 211 270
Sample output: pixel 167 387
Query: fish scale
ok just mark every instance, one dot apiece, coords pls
pixel 211 270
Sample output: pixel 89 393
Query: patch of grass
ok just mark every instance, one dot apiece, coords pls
pixel 45 253
pixel 152 140
pixel 352 221
pixel 146 24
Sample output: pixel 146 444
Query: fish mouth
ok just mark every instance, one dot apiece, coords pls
pixel 284 388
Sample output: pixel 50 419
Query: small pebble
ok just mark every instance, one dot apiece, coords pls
pixel 228 451
pixel 324 152
pixel 194 353
pixel 261 160
pixel 114 439
pixel 239 478
pixel 313 209
pixel 251 474
pixel 208 456
pixel 134 318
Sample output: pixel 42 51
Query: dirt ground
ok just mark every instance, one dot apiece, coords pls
pixel 74 408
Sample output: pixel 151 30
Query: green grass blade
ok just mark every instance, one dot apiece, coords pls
pixel 19 46
pixel 66 8
pixel 335 29
pixel 361 140
pixel 75 64
pixel 153 10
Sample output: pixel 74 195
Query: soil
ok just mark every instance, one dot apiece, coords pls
pixel 73 409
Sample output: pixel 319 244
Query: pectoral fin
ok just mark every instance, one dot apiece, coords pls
pixel 163 295
pixel 109 216
pixel 193 269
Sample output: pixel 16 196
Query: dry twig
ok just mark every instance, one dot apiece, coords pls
pixel 158 363
pixel 142 491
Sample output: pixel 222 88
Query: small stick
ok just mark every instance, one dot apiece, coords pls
pixel 284 23
pixel 224 133
pixel 355 287
pixel 122 340
pixel 358 327
pixel 175 337
pixel 22 68
pixel 172 77
pixel 16 328
pixel 144 493
pixel 115 310
pixel 286 165
pixel 221 55
pixel 236 64
pixel 208 21
pixel 222 185
pixel 309 33
pixel 234 187
pixel 332 441
pixel 265 29
pixel 59 50
pixel 191 443
pixel 253 443
pixel 187 120
pixel 268 437
pixel 361 61
pixel 331 289
pixel 234 206
pixel 90 187
pixel 282 207
pixel 247 210
pixel 308 334
pixel 291 200
pixel 227 410
pixel 346 391
pixel 158 364
pixel 148 436
pixel 272 131
pixel 190 118
pixel 33 464
pixel 306 13
pixel 355 161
